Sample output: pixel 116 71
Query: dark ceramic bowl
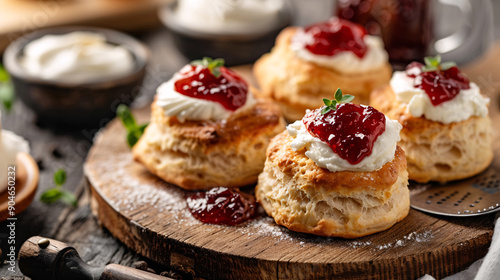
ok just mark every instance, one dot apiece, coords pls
pixel 235 49
pixel 92 103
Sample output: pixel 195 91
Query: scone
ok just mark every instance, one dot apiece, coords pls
pixel 207 130
pixel 308 64
pixel 447 133
pixel 337 174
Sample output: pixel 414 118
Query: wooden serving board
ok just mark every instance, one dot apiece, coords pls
pixel 150 217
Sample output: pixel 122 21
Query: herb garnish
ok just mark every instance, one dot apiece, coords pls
pixel 213 65
pixel 6 89
pixel 52 195
pixel 434 64
pixel 134 131
pixel 331 105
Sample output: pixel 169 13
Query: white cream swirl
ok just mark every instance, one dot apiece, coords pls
pixel 467 103
pixel 76 57
pixel 10 145
pixel 383 150
pixel 185 108
pixel 344 62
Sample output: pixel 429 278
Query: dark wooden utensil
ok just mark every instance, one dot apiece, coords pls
pixel 48 259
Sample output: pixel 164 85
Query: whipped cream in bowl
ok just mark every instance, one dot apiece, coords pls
pixel 228 16
pixel 76 57
pixel 76 75
pixel 238 31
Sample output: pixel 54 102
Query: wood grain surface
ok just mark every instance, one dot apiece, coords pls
pixel 150 216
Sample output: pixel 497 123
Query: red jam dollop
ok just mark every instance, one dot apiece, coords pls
pixel 336 35
pixel 350 131
pixel 229 89
pixel 439 85
pixel 222 206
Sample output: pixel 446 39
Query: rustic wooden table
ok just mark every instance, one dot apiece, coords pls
pixel 55 148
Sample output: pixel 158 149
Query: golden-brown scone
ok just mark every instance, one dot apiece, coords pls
pixel 207 154
pixel 436 151
pixel 297 85
pixel 306 198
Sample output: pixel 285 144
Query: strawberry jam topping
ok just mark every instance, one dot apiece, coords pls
pixel 334 36
pixel 222 206
pixel 350 131
pixel 228 89
pixel 439 85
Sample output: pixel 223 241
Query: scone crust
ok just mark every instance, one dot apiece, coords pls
pixel 436 151
pixel 297 85
pixel 207 154
pixel 306 198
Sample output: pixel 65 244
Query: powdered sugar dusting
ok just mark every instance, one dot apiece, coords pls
pixel 139 189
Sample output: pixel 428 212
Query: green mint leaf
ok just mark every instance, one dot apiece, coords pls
pixel 434 64
pixel 218 62
pixel 428 60
pixel 347 98
pixel 4 75
pixel 141 128
pixel 432 61
pixel 134 131
pixel 212 64
pixel 338 94
pixel 69 198
pixel 6 89
pixel 134 135
pixel 60 177
pixel 339 98
pixel 334 105
pixel 124 113
pixel 429 68
pixel 132 138
pixel 216 72
pixel 51 195
pixel 447 65
pixel 206 61
pixel 325 110
pixel 7 95
pixel 437 58
pixel 55 194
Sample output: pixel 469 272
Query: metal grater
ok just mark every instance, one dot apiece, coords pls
pixel 478 195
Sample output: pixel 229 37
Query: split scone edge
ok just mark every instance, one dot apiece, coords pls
pixel 436 151
pixel 306 198
pixel 206 154
pixel 297 85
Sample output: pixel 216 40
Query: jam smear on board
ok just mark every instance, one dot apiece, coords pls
pixel 222 206
pixel 350 131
